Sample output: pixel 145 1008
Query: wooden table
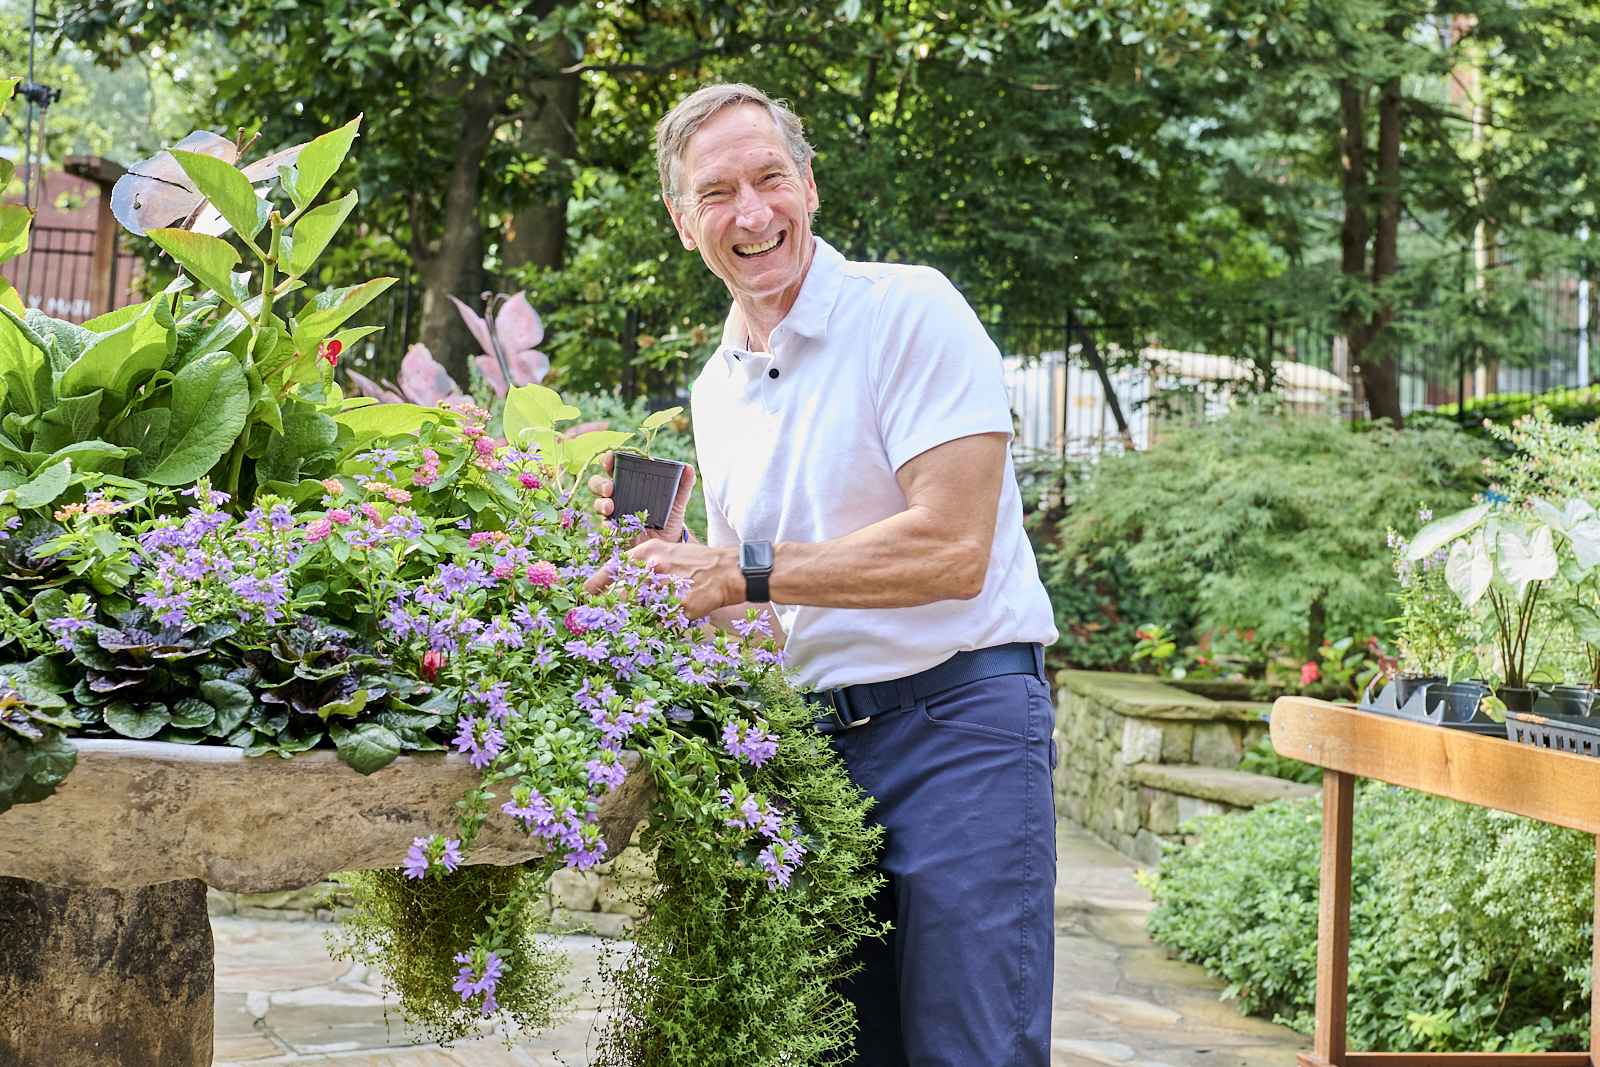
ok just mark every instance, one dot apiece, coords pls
pixel 1553 787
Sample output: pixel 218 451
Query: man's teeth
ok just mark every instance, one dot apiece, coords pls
pixel 755 250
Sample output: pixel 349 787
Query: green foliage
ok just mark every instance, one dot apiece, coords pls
pixel 1572 407
pixel 1470 929
pixel 1262 758
pixel 410 932
pixel 695 992
pixel 1256 518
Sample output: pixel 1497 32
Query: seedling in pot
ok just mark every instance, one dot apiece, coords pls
pixel 644 485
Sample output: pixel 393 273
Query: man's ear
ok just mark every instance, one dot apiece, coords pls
pixel 677 223
pixel 811 189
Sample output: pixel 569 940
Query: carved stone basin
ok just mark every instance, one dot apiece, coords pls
pixel 105 944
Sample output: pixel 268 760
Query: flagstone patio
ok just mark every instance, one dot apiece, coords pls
pixel 1119 999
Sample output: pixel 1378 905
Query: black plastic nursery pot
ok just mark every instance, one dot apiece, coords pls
pixel 1517 697
pixel 1461 700
pixel 1407 684
pixel 1571 699
pixel 644 485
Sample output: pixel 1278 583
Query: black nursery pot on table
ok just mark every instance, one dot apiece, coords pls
pixel 647 485
pixel 1517 697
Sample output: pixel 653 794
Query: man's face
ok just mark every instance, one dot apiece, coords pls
pixel 744 205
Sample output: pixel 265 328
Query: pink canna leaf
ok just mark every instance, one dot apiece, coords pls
pixel 365 386
pixel 489 367
pixel 527 368
pixel 517 326
pixel 424 381
pixel 476 326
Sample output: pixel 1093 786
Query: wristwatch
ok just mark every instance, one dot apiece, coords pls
pixel 755 563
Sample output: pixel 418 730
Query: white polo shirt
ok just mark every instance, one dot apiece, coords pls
pixel 875 364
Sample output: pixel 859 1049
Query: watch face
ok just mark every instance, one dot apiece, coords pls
pixel 755 556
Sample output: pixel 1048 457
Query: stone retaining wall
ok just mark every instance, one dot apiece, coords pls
pixel 1139 758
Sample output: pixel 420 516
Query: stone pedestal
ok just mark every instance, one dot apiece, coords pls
pixel 105 977
pixel 106 961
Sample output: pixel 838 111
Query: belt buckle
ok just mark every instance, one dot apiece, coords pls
pixel 839 709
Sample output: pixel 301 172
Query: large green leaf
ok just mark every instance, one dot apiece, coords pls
pixel 63 341
pixel 306 432
pixel 68 420
pixel 22 367
pixel 42 489
pixel 366 747
pixel 137 723
pixel 319 160
pixel 209 259
pixel 87 455
pixel 219 334
pixel 145 430
pixel 121 361
pixel 232 701
pixel 229 191
pixel 387 420
pixel 210 399
pixel 581 451
pixel 315 229
pixel 30 772
pixel 534 407
pixel 14 223
pixel 328 310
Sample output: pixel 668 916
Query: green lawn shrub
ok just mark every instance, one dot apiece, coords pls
pixel 1470 929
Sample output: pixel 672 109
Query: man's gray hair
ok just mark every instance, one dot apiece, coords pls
pixel 693 111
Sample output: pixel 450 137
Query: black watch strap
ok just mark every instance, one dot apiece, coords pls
pixel 755 563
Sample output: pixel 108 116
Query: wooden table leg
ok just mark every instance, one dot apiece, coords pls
pixel 1333 917
pixel 1594 974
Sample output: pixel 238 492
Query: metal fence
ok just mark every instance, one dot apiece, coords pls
pixel 56 273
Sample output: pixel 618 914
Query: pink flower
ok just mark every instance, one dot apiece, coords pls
pixel 528 481
pixel 432 660
pixel 372 514
pixel 332 486
pixel 1309 672
pixel 575 624
pixel 319 531
pixel 340 517
pixel 542 574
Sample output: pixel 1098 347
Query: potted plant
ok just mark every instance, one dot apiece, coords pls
pixel 643 485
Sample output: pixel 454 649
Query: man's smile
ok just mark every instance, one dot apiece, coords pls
pixel 756 250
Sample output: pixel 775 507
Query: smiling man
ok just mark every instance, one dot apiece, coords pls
pixel 852 430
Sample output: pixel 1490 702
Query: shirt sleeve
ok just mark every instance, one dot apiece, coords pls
pixel 719 531
pixel 939 375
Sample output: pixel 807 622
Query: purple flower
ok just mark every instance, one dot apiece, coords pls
pixel 494 699
pixel 8 525
pixel 455 578
pixel 416 859
pixel 610 775
pixel 751 744
pixel 480 739
pixel 470 984
pixel 592 651
pixel 64 627
pixel 451 856
pixel 270 594
pixel 280 517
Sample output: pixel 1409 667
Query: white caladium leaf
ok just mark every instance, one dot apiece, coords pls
pixel 1525 559
pixel 1577 510
pixel 1469 570
pixel 1584 536
pixel 1442 531
pixel 1549 514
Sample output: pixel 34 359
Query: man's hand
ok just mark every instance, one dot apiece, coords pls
pixel 672 529
pixel 713 572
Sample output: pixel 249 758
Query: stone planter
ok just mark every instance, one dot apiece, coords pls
pixel 106 958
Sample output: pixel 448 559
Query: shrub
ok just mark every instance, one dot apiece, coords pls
pixel 1270 523
pixel 1470 929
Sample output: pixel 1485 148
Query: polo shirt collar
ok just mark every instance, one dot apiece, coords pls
pixel 809 316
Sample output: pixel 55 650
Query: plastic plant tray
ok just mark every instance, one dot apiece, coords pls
pixel 1564 733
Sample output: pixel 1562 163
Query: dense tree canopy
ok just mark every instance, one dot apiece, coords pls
pixel 1403 173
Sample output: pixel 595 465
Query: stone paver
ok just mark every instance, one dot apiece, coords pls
pixel 281 1002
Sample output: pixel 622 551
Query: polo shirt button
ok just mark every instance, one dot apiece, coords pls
pixel 773 373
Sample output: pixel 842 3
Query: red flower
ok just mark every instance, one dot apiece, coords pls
pixel 1309 672
pixel 329 350
pixel 432 660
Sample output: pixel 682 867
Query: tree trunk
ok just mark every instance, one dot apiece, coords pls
pixel 1379 367
pixel 538 231
pixel 453 265
pixel 1316 630
pixel 1353 235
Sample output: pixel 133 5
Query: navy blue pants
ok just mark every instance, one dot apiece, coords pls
pixel 962 784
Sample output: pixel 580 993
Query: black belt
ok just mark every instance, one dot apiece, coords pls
pixel 855 705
